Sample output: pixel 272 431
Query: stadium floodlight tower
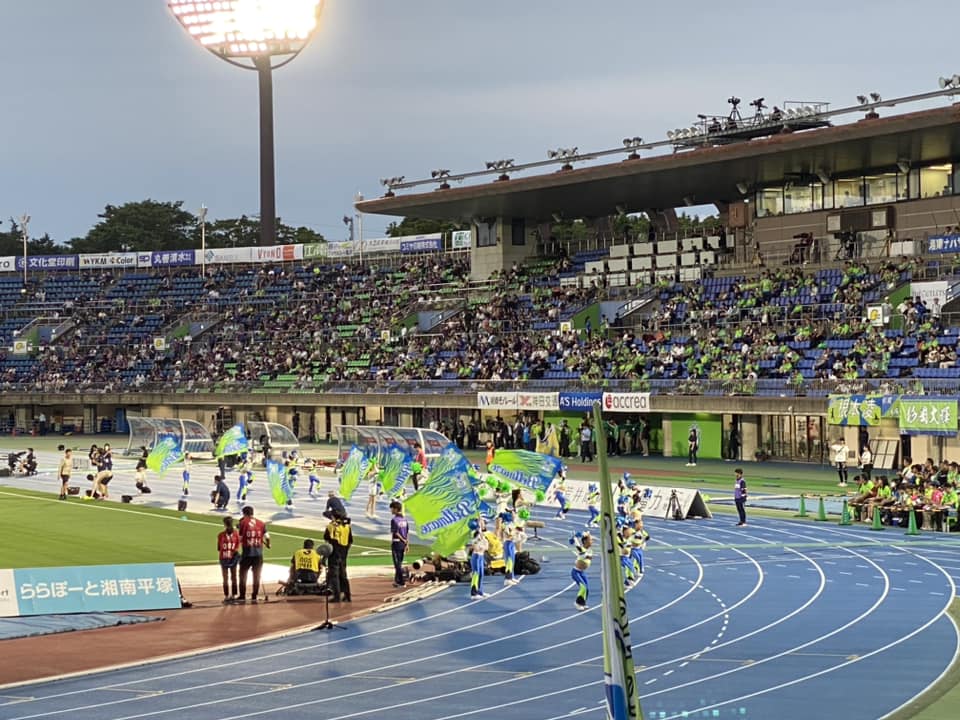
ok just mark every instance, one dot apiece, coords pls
pixel 261 35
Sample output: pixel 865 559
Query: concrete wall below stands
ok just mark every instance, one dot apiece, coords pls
pixel 322 413
pixel 486 260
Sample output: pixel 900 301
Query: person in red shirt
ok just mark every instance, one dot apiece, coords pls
pixel 253 538
pixel 228 548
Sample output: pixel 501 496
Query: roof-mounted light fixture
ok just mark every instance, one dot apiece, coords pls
pixel 390 184
pixel 442 176
pixel 502 166
pixel 633 144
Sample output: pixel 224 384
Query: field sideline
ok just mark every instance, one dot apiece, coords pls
pixel 51 533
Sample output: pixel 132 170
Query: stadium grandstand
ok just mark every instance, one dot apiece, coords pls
pixel 829 273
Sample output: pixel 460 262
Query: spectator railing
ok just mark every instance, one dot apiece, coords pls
pixel 765 387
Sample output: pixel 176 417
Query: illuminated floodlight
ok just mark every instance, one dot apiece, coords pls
pixel 261 35
pixel 250 28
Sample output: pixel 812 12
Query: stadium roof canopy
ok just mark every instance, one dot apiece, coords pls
pixel 702 176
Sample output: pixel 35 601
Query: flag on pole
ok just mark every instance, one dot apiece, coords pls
pixel 396 469
pixel 165 453
pixel 279 482
pixel 531 470
pixel 619 676
pixel 354 469
pixel 442 507
pixel 232 442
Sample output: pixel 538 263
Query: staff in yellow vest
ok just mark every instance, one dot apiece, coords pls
pixel 305 564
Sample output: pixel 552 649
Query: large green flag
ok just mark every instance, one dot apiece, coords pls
pixel 447 499
pixel 531 470
pixel 396 469
pixel 354 468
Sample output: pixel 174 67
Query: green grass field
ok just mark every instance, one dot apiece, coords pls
pixel 44 532
pixel 51 533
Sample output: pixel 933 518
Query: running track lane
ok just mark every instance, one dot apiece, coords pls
pixel 756 622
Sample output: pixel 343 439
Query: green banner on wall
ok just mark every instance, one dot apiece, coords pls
pixel 314 250
pixel 926 416
pixel 859 410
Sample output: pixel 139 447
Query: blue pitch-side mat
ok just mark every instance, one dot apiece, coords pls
pixel 11 628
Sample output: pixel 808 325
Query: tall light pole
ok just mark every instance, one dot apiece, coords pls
pixel 348 221
pixel 357 199
pixel 24 221
pixel 203 240
pixel 255 31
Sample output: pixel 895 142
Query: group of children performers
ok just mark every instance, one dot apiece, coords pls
pixel 631 538
pixel 504 541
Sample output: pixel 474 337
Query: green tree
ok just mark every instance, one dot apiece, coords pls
pixel 144 225
pixel 245 232
pixel 152 225
pixel 289 235
pixel 11 243
pixel 693 224
pixel 423 226
pixel 44 245
pixel 631 227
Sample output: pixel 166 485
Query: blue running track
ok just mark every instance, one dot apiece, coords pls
pixel 779 619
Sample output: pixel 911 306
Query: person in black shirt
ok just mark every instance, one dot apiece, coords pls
pixel 334 507
pixel 340 536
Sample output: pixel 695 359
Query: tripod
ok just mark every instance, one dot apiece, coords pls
pixel 327 623
pixel 673 506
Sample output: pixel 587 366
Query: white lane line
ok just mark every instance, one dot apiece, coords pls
pixel 692 589
pixel 580 687
pixel 459 692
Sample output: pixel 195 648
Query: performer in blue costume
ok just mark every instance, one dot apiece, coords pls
pixel 593 504
pixel 560 493
pixel 478 546
pixel 508 532
pixel 581 543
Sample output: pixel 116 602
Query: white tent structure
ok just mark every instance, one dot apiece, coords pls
pixel 375 438
pixel 144 431
pixel 279 436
